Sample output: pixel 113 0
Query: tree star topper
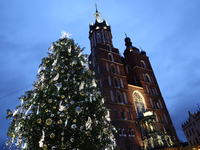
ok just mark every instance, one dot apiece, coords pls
pixel 65 35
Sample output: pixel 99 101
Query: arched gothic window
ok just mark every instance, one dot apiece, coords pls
pixel 116 113
pixel 139 103
pixel 130 131
pixel 161 118
pixel 110 57
pixel 98 37
pixel 94 61
pixel 143 65
pixel 119 97
pixel 121 130
pixel 106 35
pixel 93 51
pixel 148 79
pixel 129 114
pixel 128 68
pixel 109 47
pixel 113 70
pixel 116 82
pixel 122 114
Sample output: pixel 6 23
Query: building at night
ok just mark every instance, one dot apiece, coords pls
pixel 137 108
pixel 191 128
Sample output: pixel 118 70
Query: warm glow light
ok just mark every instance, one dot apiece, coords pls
pixel 148 113
pixel 97 27
pixel 105 27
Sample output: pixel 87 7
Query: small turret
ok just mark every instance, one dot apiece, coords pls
pixel 129 47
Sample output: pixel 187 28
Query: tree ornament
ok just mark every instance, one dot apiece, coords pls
pixel 62 96
pixel 72 139
pixel 55 78
pixel 62 71
pixel 78 109
pixel 50 101
pixel 60 121
pixel 58 85
pixel 82 94
pixel 39 120
pixel 73 126
pixel 88 123
pixel 105 131
pixel 46 110
pixel 72 102
pixel 88 133
pixel 44 147
pixel 63 146
pixel 49 121
pixel 52 135
pixel 61 107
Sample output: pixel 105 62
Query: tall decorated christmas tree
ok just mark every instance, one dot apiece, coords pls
pixel 65 109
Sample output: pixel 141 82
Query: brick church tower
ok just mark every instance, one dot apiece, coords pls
pixel 137 108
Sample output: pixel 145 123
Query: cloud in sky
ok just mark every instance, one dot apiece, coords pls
pixel 167 30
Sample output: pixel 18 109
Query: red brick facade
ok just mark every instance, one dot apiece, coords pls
pixel 119 78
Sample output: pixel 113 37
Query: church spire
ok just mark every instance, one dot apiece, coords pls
pixel 97 15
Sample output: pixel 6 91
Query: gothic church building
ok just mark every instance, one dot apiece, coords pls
pixel 137 108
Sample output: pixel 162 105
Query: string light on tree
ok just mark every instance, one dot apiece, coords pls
pixel 62 111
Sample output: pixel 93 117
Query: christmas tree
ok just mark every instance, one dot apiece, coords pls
pixel 65 109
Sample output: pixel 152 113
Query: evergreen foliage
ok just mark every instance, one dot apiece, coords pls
pixel 65 109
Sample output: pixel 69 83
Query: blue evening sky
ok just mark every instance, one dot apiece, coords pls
pixel 168 30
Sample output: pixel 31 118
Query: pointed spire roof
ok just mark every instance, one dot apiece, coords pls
pixel 97 15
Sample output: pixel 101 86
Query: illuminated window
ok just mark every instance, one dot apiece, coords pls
pixel 139 103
